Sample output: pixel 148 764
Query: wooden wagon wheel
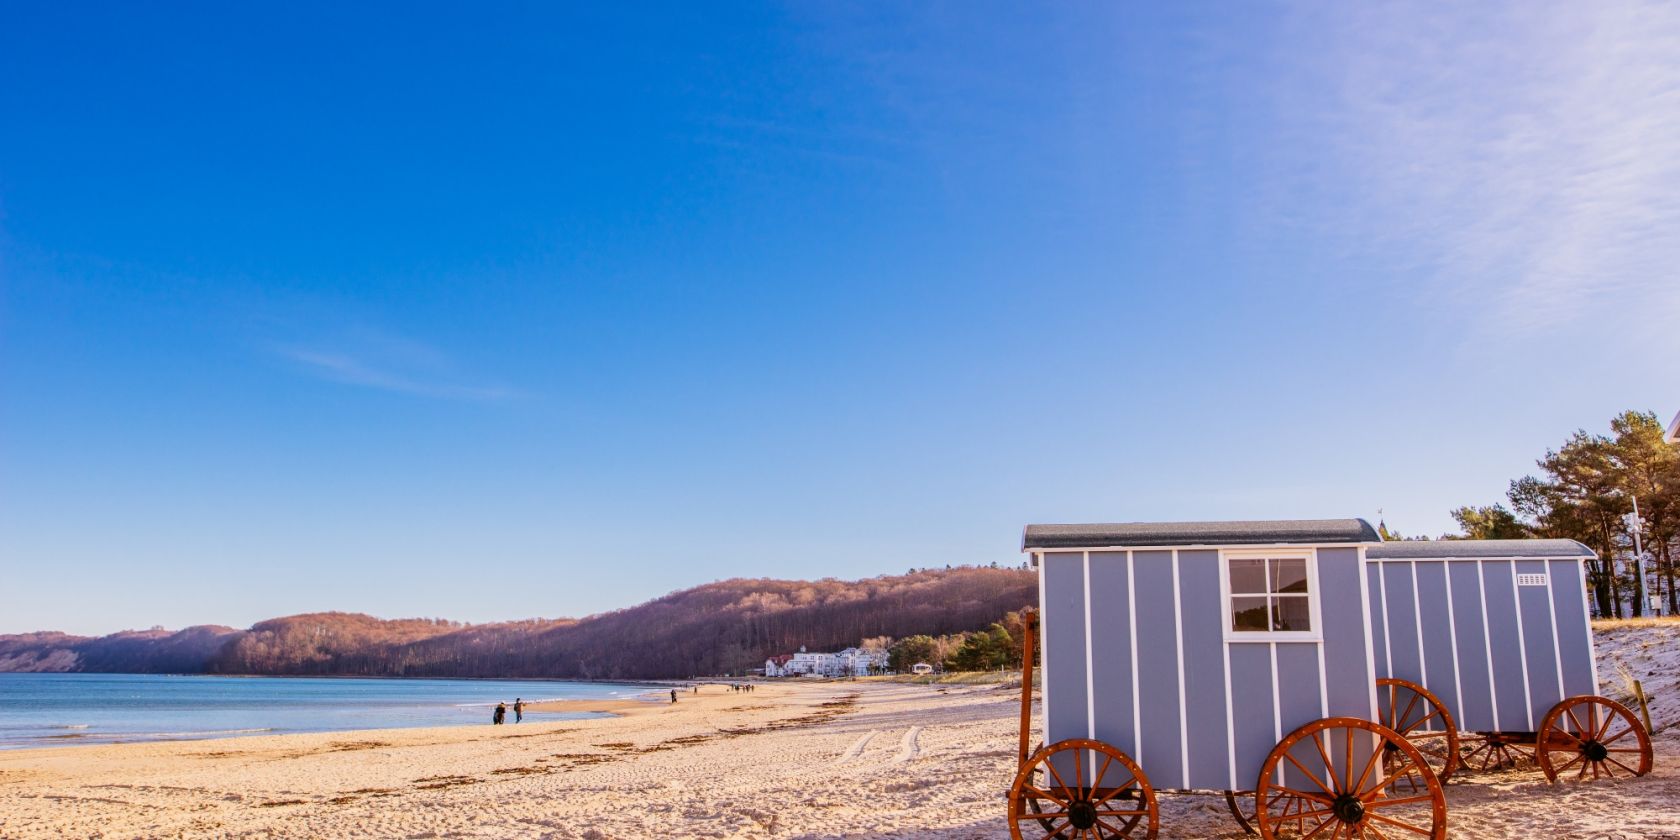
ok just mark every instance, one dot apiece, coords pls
pixel 1590 736
pixel 1332 785
pixel 1423 720
pixel 1241 803
pixel 1080 788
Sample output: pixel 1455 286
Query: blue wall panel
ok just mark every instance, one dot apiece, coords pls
pixel 1379 642
pixel 1505 647
pixel 1569 598
pixel 1064 645
pixel 1440 671
pixel 1476 692
pixel 1251 705
pixel 1348 674
pixel 1204 669
pixel 1536 605
pixel 1111 661
pixel 1159 749
pixel 1405 659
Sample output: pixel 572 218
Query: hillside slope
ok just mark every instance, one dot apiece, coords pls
pixel 723 627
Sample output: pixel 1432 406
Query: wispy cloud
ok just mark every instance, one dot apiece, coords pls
pixel 1527 155
pixel 387 363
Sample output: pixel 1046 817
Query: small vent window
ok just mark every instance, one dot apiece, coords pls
pixel 1531 580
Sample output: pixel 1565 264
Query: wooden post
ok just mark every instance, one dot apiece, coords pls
pixel 1029 627
pixel 1644 706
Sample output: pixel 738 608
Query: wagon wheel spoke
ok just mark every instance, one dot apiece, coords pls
pixel 1329 821
pixel 1112 830
pixel 1043 816
pixel 1630 770
pixel 1609 718
pixel 1049 765
pixel 1096 781
pixel 1044 794
pixel 1311 777
pixel 1409 706
pixel 1389 803
pixel 1579 727
pixel 1398 824
pixel 1617 737
pixel 1116 791
pixel 1347 761
pixel 1329 766
pixel 1370 763
pixel 1417 723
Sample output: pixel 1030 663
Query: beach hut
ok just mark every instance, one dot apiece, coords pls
pixel 1494 635
pixel 1290 663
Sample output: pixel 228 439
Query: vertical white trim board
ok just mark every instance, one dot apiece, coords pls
pixel 1230 719
pixel 1043 645
pixel 1487 643
pixel 1417 619
pixel 1090 666
pixel 1522 647
pixel 1131 613
pixel 1452 632
pixel 1586 596
pixel 1365 612
pixel 1382 598
pixel 1183 713
pixel 1557 649
pixel 1277 706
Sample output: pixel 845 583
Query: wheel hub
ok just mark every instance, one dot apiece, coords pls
pixel 1594 751
pixel 1082 814
pixel 1348 808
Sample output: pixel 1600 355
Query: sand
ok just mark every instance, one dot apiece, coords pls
pixel 792 760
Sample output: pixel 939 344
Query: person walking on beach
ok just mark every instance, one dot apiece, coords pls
pixel 518 710
pixel 500 714
pixel 673 695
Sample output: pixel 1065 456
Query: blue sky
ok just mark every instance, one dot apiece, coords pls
pixel 537 311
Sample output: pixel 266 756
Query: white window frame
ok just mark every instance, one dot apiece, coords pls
pixel 1314 596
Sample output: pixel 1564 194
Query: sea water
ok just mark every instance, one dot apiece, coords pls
pixel 39 710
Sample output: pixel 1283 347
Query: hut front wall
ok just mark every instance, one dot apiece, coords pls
pixel 1495 645
pixel 1136 656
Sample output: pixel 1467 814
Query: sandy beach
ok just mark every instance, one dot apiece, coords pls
pixel 792 760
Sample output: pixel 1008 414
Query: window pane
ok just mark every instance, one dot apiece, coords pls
pixel 1291 614
pixel 1249 614
pixel 1248 576
pixel 1289 575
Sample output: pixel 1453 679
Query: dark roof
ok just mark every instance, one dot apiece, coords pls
pixel 1436 549
pixel 1142 534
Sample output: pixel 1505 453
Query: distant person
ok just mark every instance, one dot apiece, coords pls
pixel 673 695
pixel 500 714
pixel 518 710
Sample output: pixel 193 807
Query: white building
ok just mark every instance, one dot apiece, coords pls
pixel 851 662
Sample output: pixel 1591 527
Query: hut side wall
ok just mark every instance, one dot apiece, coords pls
pixel 1497 653
pixel 1145 669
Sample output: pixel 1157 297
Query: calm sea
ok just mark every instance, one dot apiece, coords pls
pixel 59 709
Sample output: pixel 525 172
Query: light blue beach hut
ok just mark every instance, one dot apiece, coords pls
pixel 1285 664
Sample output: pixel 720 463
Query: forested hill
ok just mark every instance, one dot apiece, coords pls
pixel 722 627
